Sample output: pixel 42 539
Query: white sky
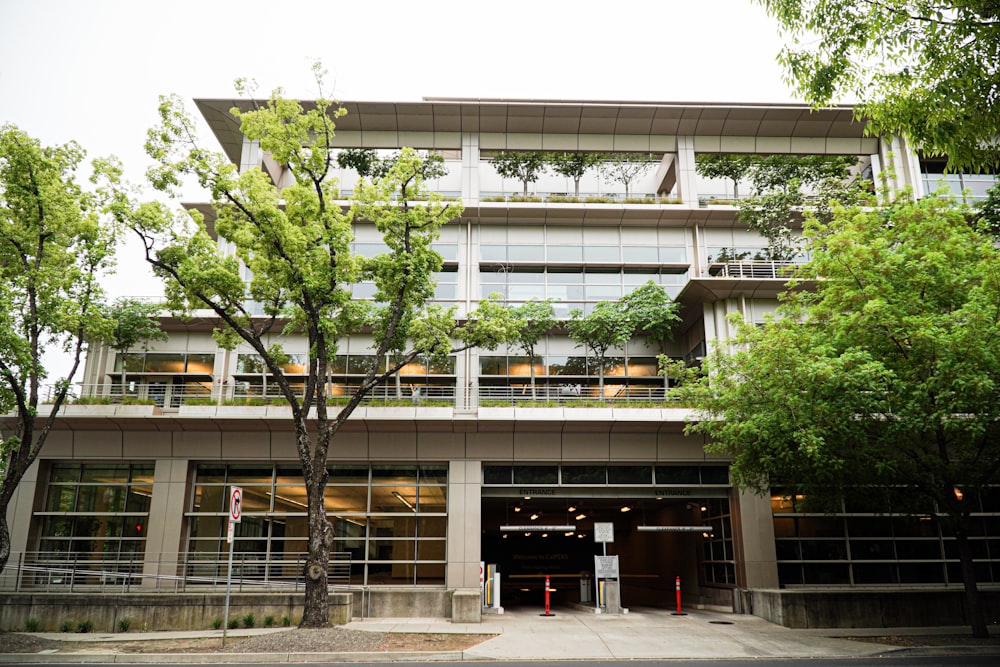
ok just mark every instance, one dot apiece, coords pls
pixel 92 70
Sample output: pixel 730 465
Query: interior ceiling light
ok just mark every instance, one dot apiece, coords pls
pixel 534 516
pixel 517 508
pixel 626 508
pixel 581 516
pixel 568 533
pixel 545 534
pixel 403 500
pixel 527 497
pixel 571 508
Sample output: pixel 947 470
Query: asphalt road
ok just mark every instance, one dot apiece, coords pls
pixel 897 659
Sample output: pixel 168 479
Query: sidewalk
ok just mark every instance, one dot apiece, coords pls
pixel 654 633
pixel 571 634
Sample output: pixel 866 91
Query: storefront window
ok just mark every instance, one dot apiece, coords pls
pixel 98 513
pixel 390 518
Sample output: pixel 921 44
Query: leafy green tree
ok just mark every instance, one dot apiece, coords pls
pixel 525 166
pixel 54 250
pixel 365 161
pixel 626 167
pixel 607 326
pixel 369 164
pixel 575 165
pixel 782 187
pixel 653 313
pixel 734 166
pixel 988 213
pixel 133 323
pixel 296 243
pixel 923 69
pixel 885 376
pixel 534 320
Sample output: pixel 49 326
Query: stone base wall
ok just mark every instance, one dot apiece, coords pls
pixel 157 612
pixel 866 608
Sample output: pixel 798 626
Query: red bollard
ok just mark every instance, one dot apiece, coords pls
pixel 678 589
pixel 548 592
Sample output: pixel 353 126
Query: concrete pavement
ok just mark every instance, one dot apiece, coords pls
pixel 647 634
pixel 571 634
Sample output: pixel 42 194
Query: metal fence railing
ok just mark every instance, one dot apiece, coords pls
pixel 58 572
pixel 583 392
pixel 752 269
pixel 574 395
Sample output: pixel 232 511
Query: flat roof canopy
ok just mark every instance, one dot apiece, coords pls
pixel 565 117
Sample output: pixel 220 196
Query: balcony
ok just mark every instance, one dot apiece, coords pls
pixel 198 399
pixel 752 269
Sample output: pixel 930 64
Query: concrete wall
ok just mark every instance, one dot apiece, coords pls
pixel 878 608
pixel 157 612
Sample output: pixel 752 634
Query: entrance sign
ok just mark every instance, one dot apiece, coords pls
pixel 604 532
pixel 236 504
pixel 674 529
pixel 536 528
pixel 606 567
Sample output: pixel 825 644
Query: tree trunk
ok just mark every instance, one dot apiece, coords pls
pixel 525 188
pixel 316 613
pixel 531 363
pixel 576 188
pixel 977 619
pixel 4 537
pixel 600 378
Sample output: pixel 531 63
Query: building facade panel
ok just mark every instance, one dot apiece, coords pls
pixel 453 464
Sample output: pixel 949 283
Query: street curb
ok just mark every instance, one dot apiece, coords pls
pixel 229 658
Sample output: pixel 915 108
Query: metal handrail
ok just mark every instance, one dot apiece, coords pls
pixel 33 571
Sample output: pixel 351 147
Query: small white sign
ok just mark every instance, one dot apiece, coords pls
pixel 482 576
pixel 236 504
pixel 231 533
pixel 606 567
pixel 604 532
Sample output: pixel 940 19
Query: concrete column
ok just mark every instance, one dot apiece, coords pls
pixel 464 551
pixel 901 167
pixel 165 526
pixel 470 168
pixel 757 536
pixel 20 509
pixel 687 183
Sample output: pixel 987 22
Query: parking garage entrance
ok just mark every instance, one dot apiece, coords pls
pixel 538 521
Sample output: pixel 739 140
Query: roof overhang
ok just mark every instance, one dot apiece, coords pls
pixel 452 116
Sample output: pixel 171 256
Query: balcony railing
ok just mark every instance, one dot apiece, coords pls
pixel 754 269
pixel 575 395
pixel 168 572
pixel 582 198
pixel 517 392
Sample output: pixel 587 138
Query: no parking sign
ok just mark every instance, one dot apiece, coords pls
pixel 236 504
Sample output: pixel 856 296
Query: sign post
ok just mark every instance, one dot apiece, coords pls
pixel 604 532
pixel 235 515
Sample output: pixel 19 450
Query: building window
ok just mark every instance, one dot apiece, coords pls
pixel 424 378
pixel 390 518
pixel 867 543
pixel 718 559
pixel 96 514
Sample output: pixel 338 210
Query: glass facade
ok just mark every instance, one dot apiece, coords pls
pixel 95 512
pixel 573 287
pixel 860 545
pixel 391 519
